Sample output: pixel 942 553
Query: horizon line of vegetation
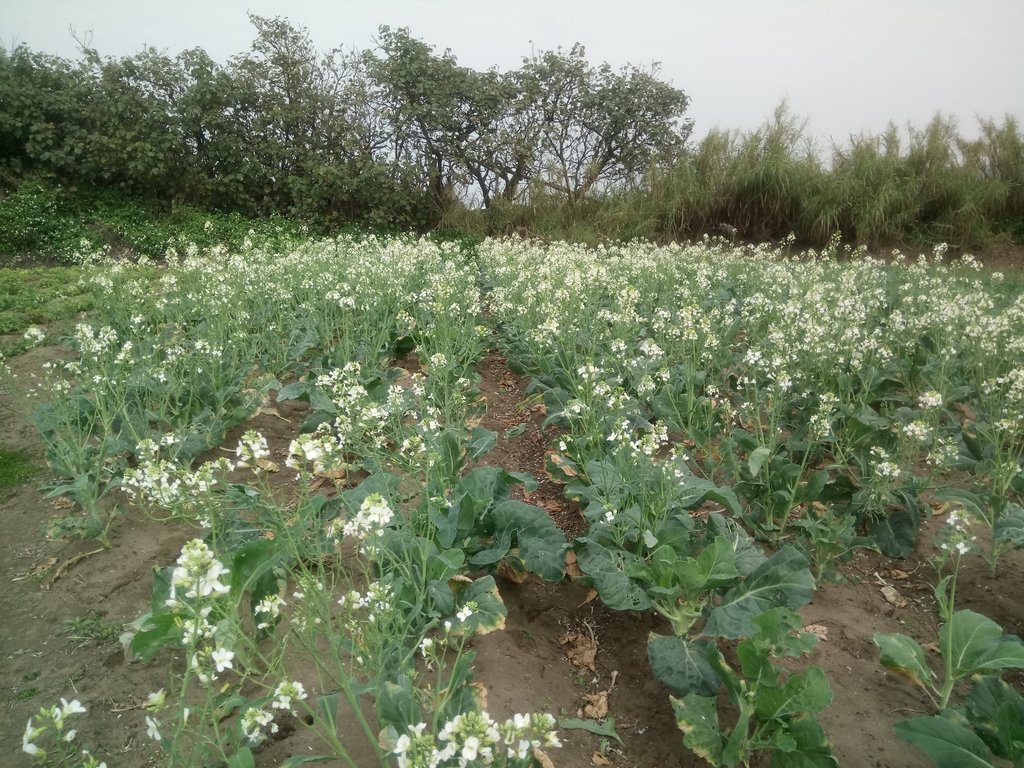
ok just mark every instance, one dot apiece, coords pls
pixel 401 137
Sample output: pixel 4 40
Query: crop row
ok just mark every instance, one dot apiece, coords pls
pixel 702 401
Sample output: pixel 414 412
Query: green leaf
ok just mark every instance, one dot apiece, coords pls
pixel 781 631
pixel 156 632
pixel 806 692
pixel 996 712
pixel 252 559
pixel 895 532
pixel 783 579
pixel 948 744
pixel 396 704
pixel 481 441
pixel 452 454
pixel 682 664
pixel 749 556
pixel 757 460
pixel 607 568
pixel 293 391
pixel 327 710
pixel 516 430
pixel 607 728
pixel 489 612
pixel 811 748
pixel 1009 528
pixel 296 760
pixel 242 759
pixel 494 554
pixel 697 718
pixel 541 544
pixel 905 657
pixel 718 563
pixel 977 644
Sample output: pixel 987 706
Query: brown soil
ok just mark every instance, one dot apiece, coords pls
pixel 525 667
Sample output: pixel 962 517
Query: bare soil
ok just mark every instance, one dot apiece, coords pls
pixel 538 662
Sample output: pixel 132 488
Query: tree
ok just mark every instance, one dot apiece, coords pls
pixel 601 127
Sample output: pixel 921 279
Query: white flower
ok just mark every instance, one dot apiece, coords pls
pixel 152 728
pixel 464 613
pixel 73 708
pixel 222 659
pixel 34 334
pixel 286 693
pixel 26 740
pixel 470 748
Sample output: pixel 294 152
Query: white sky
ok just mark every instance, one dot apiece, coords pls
pixel 847 65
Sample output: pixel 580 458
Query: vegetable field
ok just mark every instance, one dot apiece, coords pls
pixel 402 502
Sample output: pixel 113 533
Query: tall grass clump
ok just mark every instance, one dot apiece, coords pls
pixel 921 186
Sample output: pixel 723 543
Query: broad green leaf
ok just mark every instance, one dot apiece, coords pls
pixel 516 431
pixel 383 483
pixel 494 554
pixel 811 490
pixel 948 744
pixel 1009 528
pixel 811 748
pixel 481 441
pixel 293 391
pixel 749 556
pixel 781 630
pixel 251 560
pixel 697 718
pixel 996 713
pixel 682 664
pixel 782 580
pixel 607 568
pixel 607 728
pixel 156 632
pixel 694 491
pixel 242 759
pixel 396 704
pixel 488 610
pixel 977 644
pixel 452 454
pixel 895 532
pixel 806 692
pixel 540 542
pixel 905 657
pixel 969 501
pixel 718 563
pixel 757 460
pixel 327 710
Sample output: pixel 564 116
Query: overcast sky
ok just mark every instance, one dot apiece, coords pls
pixel 848 66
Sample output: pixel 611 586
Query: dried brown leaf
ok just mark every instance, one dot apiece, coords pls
pixel 596 706
pixel 893 597
pixel 572 568
pixel 581 649
pixel 820 631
